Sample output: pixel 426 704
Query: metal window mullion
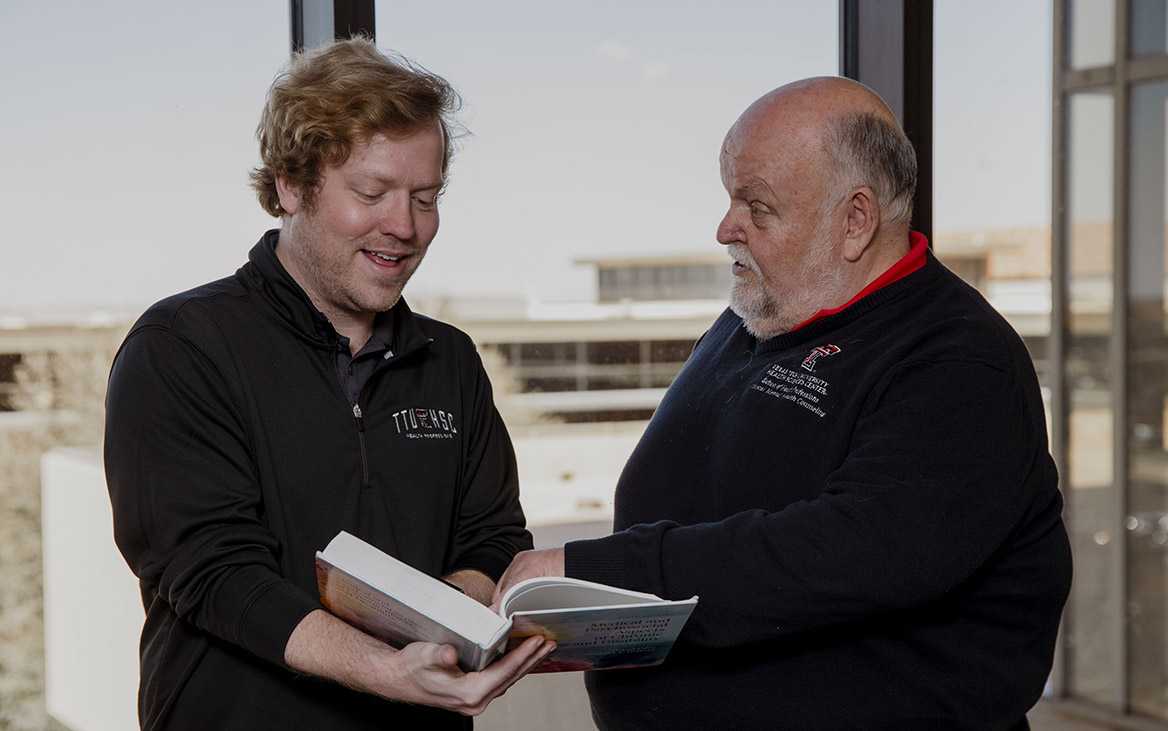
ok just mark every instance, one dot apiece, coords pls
pixel 1148 68
pixel 1119 361
pixel 1059 427
pixel 1101 77
pixel 315 22
pixel 888 46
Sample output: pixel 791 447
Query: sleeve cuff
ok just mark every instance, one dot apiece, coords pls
pixel 597 559
pixel 631 559
pixel 492 565
pixel 268 622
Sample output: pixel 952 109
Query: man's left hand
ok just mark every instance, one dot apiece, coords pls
pixel 527 565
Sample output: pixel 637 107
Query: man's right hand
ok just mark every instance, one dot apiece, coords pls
pixel 422 672
pixel 428 674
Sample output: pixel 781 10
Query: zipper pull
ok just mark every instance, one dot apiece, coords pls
pixel 360 417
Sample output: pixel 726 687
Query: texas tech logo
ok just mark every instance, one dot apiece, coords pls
pixel 425 423
pixel 821 352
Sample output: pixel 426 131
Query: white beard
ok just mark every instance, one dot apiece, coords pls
pixel 766 312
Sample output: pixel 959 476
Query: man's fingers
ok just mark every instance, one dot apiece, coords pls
pixel 441 683
pixel 537 658
pixel 514 665
pixel 527 667
pixel 447 655
pixel 526 565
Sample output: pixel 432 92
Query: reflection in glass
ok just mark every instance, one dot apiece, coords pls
pixel 1090 33
pixel 1149 27
pixel 1088 475
pixel 991 172
pixel 1147 393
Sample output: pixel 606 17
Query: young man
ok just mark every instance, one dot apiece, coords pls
pixel 251 419
pixel 851 471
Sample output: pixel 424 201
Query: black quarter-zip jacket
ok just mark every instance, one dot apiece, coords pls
pixel 233 454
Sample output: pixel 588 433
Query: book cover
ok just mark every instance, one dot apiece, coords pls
pixel 595 627
pixel 398 604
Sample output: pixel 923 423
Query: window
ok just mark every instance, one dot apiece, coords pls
pixel 991 144
pixel 1112 317
pixel 1088 474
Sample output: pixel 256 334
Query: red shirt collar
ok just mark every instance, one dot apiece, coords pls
pixel 909 263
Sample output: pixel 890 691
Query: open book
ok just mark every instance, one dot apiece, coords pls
pixel 594 626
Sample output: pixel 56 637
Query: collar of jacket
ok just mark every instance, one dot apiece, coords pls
pixel 291 306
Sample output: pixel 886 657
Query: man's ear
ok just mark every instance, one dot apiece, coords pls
pixel 863 219
pixel 289 195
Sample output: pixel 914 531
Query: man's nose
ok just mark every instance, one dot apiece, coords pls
pixel 729 231
pixel 397 217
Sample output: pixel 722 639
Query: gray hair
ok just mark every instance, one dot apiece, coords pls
pixel 869 150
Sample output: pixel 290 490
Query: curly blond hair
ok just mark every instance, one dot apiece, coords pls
pixel 329 98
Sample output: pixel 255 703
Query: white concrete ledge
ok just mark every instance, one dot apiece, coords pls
pixel 93 610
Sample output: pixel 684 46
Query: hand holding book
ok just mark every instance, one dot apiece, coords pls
pixel 528 565
pixel 420 673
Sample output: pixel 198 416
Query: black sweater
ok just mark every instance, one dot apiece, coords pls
pixel 233 455
pixel 868 512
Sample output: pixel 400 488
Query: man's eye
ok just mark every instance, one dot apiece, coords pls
pixel 757 211
pixel 426 204
pixel 368 196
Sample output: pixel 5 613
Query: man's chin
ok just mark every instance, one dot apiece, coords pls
pixel 759 325
pixel 763 329
pixel 385 297
pixel 371 305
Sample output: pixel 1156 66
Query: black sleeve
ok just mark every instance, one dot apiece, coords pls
pixel 938 476
pixel 490 528
pixel 185 497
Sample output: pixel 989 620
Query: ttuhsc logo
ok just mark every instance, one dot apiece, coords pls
pixel 422 423
pixel 821 352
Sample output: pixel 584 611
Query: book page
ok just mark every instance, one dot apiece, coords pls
pixel 566 593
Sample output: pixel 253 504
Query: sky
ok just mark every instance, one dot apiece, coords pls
pixel 128 133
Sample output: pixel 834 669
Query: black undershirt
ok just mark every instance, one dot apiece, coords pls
pixel 354 370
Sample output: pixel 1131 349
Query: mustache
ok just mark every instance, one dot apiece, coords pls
pixel 741 254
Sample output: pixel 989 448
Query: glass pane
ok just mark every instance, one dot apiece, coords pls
pixel 1088 475
pixel 595 130
pixel 585 199
pixel 991 173
pixel 1149 27
pixel 143 113
pixel 127 132
pixel 1090 33
pixel 1148 401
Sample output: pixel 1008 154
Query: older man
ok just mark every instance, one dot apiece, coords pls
pixel 251 419
pixel 851 471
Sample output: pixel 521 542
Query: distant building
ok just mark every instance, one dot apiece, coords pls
pixel 56 336
pixel 612 359
pixel 606 361
pixel 691 277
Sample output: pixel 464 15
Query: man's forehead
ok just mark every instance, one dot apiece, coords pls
pixel 733 145
pixel 391 159
pixel 775 134
pixel 748 176
pixel 756 143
